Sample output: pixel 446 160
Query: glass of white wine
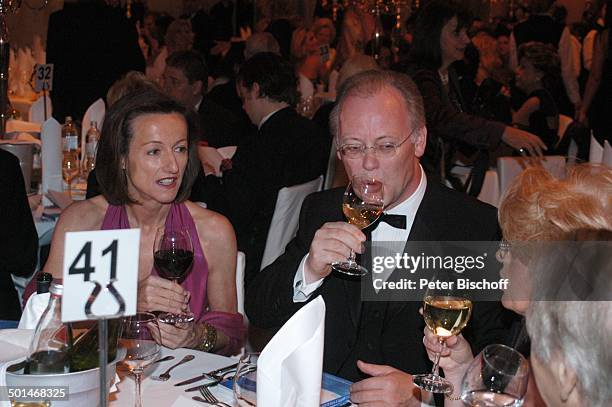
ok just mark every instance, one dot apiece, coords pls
pixel 362 205
pixel 446 313
pixel 70 169
pixel 497 377
pixel 138 338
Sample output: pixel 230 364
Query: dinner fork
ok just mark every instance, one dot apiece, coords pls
pixel 210 398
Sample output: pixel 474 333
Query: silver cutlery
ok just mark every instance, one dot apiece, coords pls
pixel 211 374
pixel 215 381
pixel 166 375
pixel 164 359
pixel 209 397
pixel 200 399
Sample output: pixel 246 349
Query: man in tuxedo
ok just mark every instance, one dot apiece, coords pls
pixel 287 150
pixel 186 80
pixel 379 128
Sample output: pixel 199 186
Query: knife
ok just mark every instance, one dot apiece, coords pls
pixel 207 375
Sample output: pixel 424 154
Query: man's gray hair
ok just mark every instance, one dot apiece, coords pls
pixel 570 310
pixel 260 42
pixel 370 83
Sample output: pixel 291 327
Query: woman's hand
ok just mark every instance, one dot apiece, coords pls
pixel 454 358
pixel 157 294
pixel 179 335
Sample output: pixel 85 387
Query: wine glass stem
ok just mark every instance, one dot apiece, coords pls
pixel 434 370
pixel 351 257
pixel 138 397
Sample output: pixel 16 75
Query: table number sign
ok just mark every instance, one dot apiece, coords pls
pixel 43 77
pixel 100 274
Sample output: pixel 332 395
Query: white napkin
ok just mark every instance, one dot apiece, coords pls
pixel 596 151
pixel 37 110
pixel 96 113
pixel 14 344
pixel 33 310
pixel 290 367
pixel 212 158
pixel 51 139
pixel 607 154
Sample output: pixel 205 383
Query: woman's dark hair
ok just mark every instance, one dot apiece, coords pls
pixel 429 23
pixel 274 75
pixel 117 133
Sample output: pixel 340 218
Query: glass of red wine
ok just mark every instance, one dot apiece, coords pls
pixel 173 258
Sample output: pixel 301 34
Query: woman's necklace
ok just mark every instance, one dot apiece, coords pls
pixel 443 77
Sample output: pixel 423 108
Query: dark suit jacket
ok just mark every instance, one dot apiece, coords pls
pixel 220 127
pixel 377 332
pixel 538 27
pixel 91 46
pixel 287 150
pixel 18 238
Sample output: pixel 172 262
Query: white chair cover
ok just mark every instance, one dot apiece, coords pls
pixel 509 168
pixel 51 157
pixel 95 112
pixel 37 110
pixel 595 152
pixel 285 219
pixel 607 154
pixel 331 167
pixel 240 265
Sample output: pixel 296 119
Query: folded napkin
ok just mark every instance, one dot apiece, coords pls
pixel 596 151
pixel 33 310
pixel 51 139
pixel 14 344
pixel 290 367
pixel 37 110
pixel 607 154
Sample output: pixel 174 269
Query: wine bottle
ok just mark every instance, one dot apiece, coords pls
pixel 43 282
pixel 51 344
pixel 85 350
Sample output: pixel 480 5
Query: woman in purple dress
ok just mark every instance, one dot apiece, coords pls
pixel 146 163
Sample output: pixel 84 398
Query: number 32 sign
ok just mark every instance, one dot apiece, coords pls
pixel 100 274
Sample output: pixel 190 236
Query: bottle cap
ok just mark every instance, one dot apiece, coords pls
pixel 43 282
pixel 57 288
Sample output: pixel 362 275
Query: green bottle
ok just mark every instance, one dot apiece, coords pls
pixel 85 356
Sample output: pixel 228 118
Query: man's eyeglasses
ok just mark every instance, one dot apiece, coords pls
pixel 385 149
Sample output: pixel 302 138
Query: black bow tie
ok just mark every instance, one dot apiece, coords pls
pixel 397 221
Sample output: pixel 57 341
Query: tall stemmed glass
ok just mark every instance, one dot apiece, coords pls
pixel 362 205
pixel 446 313
pixel 497 377
pixel 173 258
pixel 138 338
pixel 70 170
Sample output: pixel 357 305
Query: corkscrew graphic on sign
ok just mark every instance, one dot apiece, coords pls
pixel 100 274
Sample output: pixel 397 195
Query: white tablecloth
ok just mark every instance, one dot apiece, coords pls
pixel 156 393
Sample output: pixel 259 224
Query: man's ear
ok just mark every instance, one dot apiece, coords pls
pixel 255 90
pixel 567 379
pixel 419 139
pixel 197 88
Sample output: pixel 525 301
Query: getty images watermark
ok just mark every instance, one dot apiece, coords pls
pixel 484 271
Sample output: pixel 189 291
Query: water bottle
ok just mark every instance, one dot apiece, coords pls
pixel 70 137
pixel 51 344
pixel 91 146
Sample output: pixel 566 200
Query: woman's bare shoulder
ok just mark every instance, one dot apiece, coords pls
pixel 84 215
pixel 210 224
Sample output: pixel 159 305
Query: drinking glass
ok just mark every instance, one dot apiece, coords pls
pixel 245 380
pixel 138 339
pixel 446 312
pixel 70 170
pixel 497 377
pixel 173 258
pixel 362 205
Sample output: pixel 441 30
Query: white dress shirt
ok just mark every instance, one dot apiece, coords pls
pixel 383 233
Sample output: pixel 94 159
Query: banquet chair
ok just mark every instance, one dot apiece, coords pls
pixel 36 113
pixel 509 168
pixel 95 112
pixel 285 219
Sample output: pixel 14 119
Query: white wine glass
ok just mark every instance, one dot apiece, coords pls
pixel 138 339
pixel 70 170
pixel 497 377
pixel 446 312
pixel 245 380
pixel 362 205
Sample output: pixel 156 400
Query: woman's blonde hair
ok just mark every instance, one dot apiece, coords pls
pixel 490 60
pixel 539 207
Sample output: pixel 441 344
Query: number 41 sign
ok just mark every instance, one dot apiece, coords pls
pixel 100 274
